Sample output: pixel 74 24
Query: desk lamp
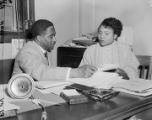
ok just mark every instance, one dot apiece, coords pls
pixel 21 86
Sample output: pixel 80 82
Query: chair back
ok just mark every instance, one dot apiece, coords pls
pixel 6 69
pixel 145 67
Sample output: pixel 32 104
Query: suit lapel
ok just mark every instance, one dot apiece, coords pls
pixel 44 59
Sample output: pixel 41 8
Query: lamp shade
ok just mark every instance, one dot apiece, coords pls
pixel 20 86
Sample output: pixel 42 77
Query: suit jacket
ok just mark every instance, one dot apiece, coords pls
pixel 115 53
pixel 31 60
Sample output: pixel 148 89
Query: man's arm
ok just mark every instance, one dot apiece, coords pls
pixel 32 64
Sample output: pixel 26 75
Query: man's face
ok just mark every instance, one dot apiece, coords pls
pixel 106 36
pixel 47 39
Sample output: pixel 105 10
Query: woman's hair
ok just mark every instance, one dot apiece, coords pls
pixel 112 23
pixel 39 27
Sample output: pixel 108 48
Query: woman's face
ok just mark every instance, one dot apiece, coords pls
pixel 106 36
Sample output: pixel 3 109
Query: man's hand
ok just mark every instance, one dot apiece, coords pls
pixel 122 73
pixel 84 71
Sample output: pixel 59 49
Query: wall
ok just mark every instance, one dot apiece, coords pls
pixel 137 14
pixel 75 17
pixel 64 15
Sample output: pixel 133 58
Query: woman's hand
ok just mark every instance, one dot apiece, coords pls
pixel 122 73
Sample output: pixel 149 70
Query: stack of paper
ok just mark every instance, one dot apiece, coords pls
pixel 84 41
pixel 51 86
pixel 5 104
pixel 99 79
pixel 9 106
pixel 140 87
pixel 107 80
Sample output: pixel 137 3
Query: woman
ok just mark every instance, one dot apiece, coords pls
pixel 109 51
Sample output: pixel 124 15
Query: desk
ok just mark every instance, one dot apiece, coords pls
pixel 88 111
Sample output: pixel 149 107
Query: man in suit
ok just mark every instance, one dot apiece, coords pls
pixel 31 58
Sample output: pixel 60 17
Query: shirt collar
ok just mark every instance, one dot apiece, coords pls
pixel 43 51
pixel 115 42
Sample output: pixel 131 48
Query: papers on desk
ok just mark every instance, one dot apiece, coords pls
pixel 140 87
pixel 55 87
pixel 107 80
pixel 98 80
pixel 9 106
pixel 5 103
pixel 84 41
pixel 23 105
pixel 49 84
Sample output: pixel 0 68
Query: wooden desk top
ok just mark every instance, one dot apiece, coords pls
pixel 92 110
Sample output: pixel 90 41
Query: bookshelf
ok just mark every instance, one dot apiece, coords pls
pixel 16 17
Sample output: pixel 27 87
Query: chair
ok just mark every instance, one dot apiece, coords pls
pixel 6 68
pixel 145 67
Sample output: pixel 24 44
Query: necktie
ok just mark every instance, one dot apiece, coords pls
pixel 46 55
